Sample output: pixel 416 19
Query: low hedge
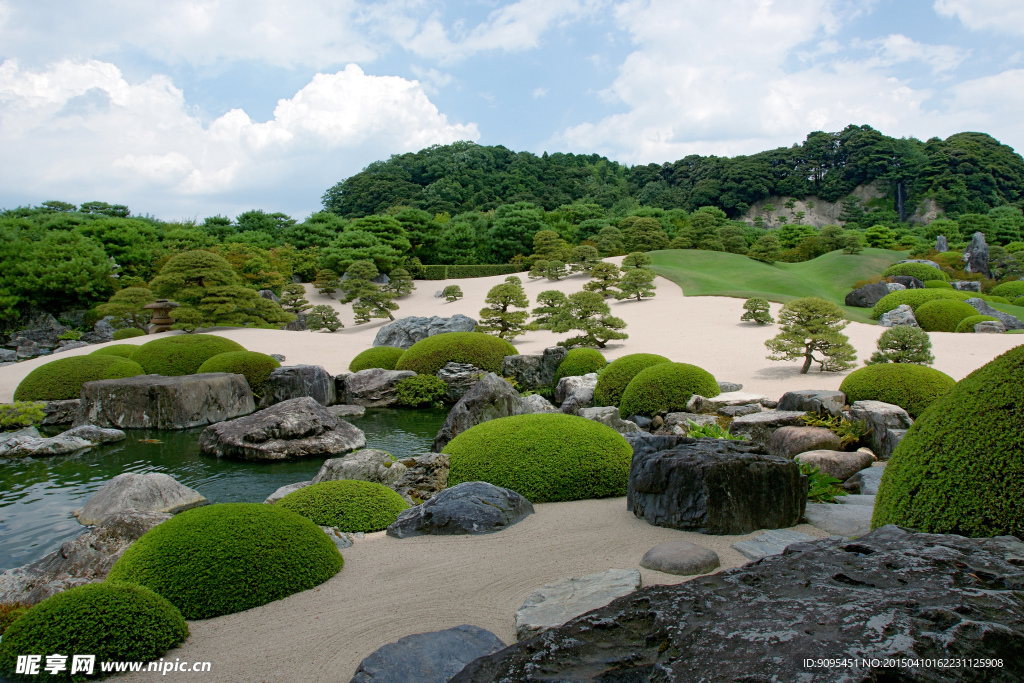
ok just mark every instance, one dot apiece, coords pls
pixel 915 298
pixel 1011 290
pixel 255 367
pixel 943 315
pixel 181 354
pixel 959 467
pixel 580 362
pixel 937 284
pixel 442 272
pixel 128 333
pixel 429 355
pixel 618 374
pixel 544 457
pixel 225 558
pixel 63 378
pixel 119 350
pixel 348 504
pixel 911 387
pixel 113 621
pixel 376 357
pixel 666 388
pixel 967 324
pixel 921 271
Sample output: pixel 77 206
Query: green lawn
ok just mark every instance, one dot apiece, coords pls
pixel 714 273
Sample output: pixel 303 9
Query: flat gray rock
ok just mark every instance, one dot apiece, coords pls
pixel 770 543
pixel 472 507
pixel 681 558
pixel 759 427
pixel 739 411
pixel 130 492
pixel 535 403
pixel 368 464
pixel 95 434
pixel 285 490
pixel 839 464
pixel 556 603
pixel 609 416
pixel 1009 322
pixel 30 447
pixel 427 657
pixel 346 410
pixel 866 481
pixel 842 520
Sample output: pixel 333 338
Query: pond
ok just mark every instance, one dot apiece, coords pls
pixel 38 495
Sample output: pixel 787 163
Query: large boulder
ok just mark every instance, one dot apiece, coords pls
pixel 299 427
pixel 296 381
pixel 1009 322
pixel 425 476
pixel 839 464
pixel 966 285
pixel 158 402
pixel 894 596
pixel 814 401
pixel 976 255
pixel 901 316
pixel 609 415
pixel 575 393
pixel 534 372
pixel 713 486
pixel 556 603
pixel 61 412
pixel 787 442
pixel 427 657
pixel 29 443
pixel 374 388
pixel 405 332
pixel 535 403
pixel 759 427
pixel 703 405
pixel 941 244
pixel 881 419
pixel 460 378
pixel 867 296
pixel 490 398
pixel 133 493
pixel 989 327
pixel 473 507
pixel 368 464
pixel 907 281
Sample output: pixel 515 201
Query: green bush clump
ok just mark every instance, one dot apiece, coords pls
pixel 442 272
pixel 255 367
pixel 996 299
pixel 666 388
pixel 1019 301
pixel 18 415
pixel 429 355
pixel 957 471
pixel 377 357
pixel 937 284
pixel 921 271
pixel 619 373
pixel 225 558
pixel 911 387
pixel 1010 290
pixel 348 504
pixel 915 298
pixel 421 390
pixel 580 362
pixel 114 621
pixel 181 354
pixel 544 457
pixel 128 333
pixel 63 378
pixel 9 613
pixel 119 350
pixel 943 316
pixel 967 324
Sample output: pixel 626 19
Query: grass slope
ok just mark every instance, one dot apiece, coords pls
pixel 714 273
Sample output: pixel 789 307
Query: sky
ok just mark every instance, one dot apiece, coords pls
pixel 192 108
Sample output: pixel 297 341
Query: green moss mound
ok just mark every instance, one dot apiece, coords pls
pixel 181 354
pixel 349 504
pixel 378 357
pixel 967 324
pixel 1011 290
pixel 429 355
pixel 943 315
pixel 958 470
pixel 915 298
pixel 544 457
pixel 992 299
pixel 119 350
pixel 921 271
pixel 619 373
pixel 665 388
pixel 229 557
pixel 937 284
pixel 114 621
pixel 255 367
pixel 63 378
pixel 128 333
pixel 580 362
pixel 911 387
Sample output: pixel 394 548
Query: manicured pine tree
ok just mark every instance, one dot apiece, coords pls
pixel 852 243
pixel 452 293
pixel 374 303
pixel 588 313
pixel 326 282
pixel 610 241
pixel 604 276
pixel 636 259
pixel 127 307
pixel 757 311
pixel 497 318
pixel 400 283
pixel 637 283
pixel 766 249
pixel 812 325
pixel 293 299
pixel 582 258
pixel 555 270
pixel 323 317
pixel 538 270
pixel 550 302
pixel 358 279
pixel 903 344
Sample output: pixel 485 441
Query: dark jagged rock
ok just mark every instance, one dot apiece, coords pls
pixel 889 595
pixel 713 486
pixel 296 381
pixel 941 244
pixel 814 401
pixel 534 372
pixel 908 281
pixel 472 507
pixel 867 296
pixel 375 387
pixel 460 378
pixel 490 398
pixel 61 412
pixel 976 255
pixel 427 657
pixel 405 332
pixel 1009 322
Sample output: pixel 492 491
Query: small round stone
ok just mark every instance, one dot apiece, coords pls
pixel 681 558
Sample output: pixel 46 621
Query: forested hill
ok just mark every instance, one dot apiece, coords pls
pixel 965 173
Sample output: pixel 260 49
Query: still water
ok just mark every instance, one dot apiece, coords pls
pixel 38 495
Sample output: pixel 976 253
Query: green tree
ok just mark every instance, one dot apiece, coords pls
pixel 636 259
pixel 319 230
pixel 386 229
pixel 326 282
pixel 758 311
pixel 588 313
pixel 833 237
pixel 766 249
pixel 549 303
pixel 358 280
pixel 583 257
pixel 127 307
pixel 702 231
pixel 609 241
pixel 812 325
pixel 452 293
pixel 422 232
pixel 637 283
pixel 323 317
pixel 513 228
pixel 548 246
pixel 457 244
pixel 903 344
pixel 496 318
pixel 293 299
pixel 538 270
pixel 374 303
pixel 852 212
pixel 554 270
pixel 400 283
pixel 643 234
pixel 853 243
pixel 603 277
pixel 880 236
pixel 358 245
pixel 60 271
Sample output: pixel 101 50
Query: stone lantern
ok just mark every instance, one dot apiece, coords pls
pixel 161 320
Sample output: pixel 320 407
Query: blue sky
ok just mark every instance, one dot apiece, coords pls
pixel 190 108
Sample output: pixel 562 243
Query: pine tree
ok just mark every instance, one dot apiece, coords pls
pixel 852 243
pixel 127 307
pixel 400 283
pixel 293 299
pixel 583 257
pixel 757 311
pixel 588 313
pixel 548 246
pixel 766 249
pixel 550 302
pixel 358 280
pixel 373 302
pixel 637 283
pixel 326 282
pixel 555 270
pixel 811 325
pixel 609 241
pixel 323 317
pixel 497 318
pixel 902 344
pixel 452 293
pixel 852 212
pixel 604 276
pixel 636 259
pixel 538 270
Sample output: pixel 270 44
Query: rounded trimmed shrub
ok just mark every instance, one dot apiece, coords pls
pixel 119 350
pixel 911 387
pixel 992 299
pixel 967 324
pixel 915 298
pixel 921 271
pixel 544 457
pixel 429 355
pixel 420 390
pixel 1019 301
pixel 1010 290
pixel 580 362
pixel 943 315
pixel 114 621
pixel 612 382
pixel 937 284
pixel 63 378
pixel 255 367
pixel 181 354
pixel 376 357
pixel 958 469
pixel 665 388
pixel 225 558
pixel 349 504
pixel 128 333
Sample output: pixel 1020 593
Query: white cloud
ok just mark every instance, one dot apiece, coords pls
pixel 540 92
pixel 81 131
pixel 1000 16
pixel 898 48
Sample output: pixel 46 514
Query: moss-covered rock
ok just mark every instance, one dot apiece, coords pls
pixel 666 388
pixel 958 470
pixel 580 362
pixel 229 557
pixel 544 457
pixel 377 357
pixel 349 504
pixel 128 333
pixel 943 315
pixel 1010 290
pixel 922 271
pixel 255 367
pixel 63 378
pixel 915 298
pixel 113 621
pixel 181 354
pixel 967 324
pixel 911 387
pixel 617 375
pixel 429 355
pixel 119 350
